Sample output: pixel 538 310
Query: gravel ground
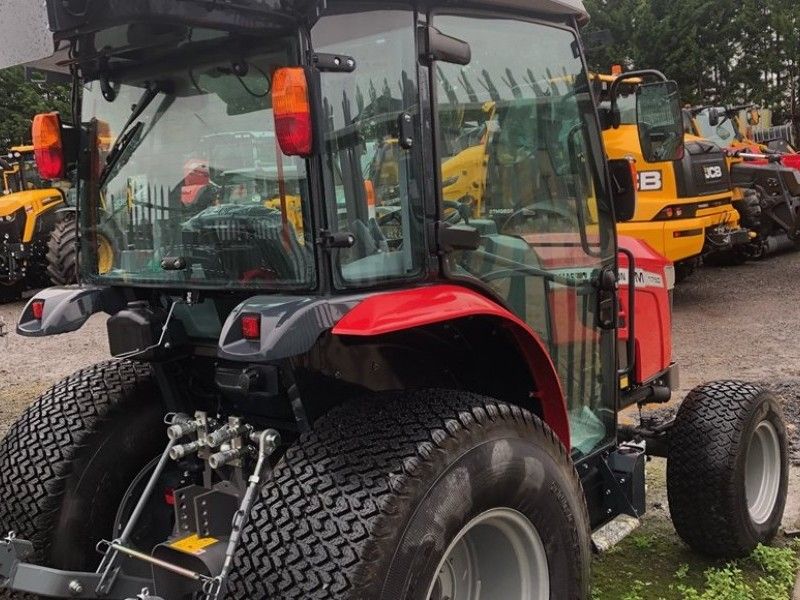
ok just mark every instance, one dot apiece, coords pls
pixel 743 323
pixel 28 366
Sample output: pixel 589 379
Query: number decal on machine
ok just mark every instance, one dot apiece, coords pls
pixel 650 181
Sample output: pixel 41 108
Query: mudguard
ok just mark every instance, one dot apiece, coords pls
pixel 66 309
pixel 391 312
pixel 290 325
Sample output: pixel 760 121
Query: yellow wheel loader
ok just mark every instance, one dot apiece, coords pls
pixel 767 181
pixel 685 210
pixel 30 215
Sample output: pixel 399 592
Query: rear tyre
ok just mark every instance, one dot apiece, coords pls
pixel 727 469
pixel 419 495
pixel 66 464
pixel 11 293
pixel 62 251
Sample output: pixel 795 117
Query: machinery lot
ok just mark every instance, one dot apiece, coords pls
pixel 738 322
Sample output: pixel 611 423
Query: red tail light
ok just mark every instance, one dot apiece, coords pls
pixel 48 147
pixel 292 108
pixel 251 327
pixel 37 308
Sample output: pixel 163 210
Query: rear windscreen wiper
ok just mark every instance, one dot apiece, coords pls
pixel 126 134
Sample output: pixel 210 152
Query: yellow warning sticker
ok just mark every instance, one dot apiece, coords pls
pixel 193 544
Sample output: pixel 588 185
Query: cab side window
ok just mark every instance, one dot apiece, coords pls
pixel 372 188
pixel 516 127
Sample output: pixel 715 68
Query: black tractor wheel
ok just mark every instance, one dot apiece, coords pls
pixel 421 495
pixel 685 269
pixel 62 251
pixel 70 461
pixel 11 292
pixel 727 258
pixel 727 469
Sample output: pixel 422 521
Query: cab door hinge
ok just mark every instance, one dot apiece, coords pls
pixel 332 63
pixel 606 284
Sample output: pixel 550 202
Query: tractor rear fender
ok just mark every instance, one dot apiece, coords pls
pixel 434 336
pixel 382 315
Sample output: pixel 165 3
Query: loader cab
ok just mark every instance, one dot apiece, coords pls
pixel 19 172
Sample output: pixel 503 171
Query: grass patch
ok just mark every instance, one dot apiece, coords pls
pixel 654 564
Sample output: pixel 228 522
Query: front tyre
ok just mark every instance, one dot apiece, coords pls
pixel 727 469
pixel 421 495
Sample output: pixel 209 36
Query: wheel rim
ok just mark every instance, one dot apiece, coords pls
pixel 157 520
pixel 499 553
pixel 763 472
pixel 105 255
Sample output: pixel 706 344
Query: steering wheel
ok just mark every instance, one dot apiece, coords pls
pixel 542 212
pixel 460 211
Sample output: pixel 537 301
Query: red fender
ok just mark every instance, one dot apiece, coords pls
pixel 397 311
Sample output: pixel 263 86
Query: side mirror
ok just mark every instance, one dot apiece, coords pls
pixel 623 188
pixel 716 116
pixel 660 120
pixel 448 49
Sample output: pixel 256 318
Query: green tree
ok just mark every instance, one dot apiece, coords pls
pixel 723 52
pixel 20 100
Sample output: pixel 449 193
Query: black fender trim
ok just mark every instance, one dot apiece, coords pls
pixel 66 309
pixel 290 326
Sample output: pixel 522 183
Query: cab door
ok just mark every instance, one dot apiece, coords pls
pixel 521 115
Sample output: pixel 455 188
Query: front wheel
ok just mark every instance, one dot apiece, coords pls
pixel 727 469
pixel 422 495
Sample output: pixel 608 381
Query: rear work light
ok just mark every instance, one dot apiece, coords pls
pixel 251 327
pixel 48 147
pixel 292 108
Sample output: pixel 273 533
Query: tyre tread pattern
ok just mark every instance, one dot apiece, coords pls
pixel 62 252
pixel 702 500
pixel 37 452
pixel 339 494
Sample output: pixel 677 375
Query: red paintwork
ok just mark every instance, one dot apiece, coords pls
pixel 788 159
pixel 653 312
pixel 791 160
pixel 563 251
pixel 195 178
pixel 397 311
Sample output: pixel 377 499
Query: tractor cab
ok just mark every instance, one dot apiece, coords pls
pixel 365 284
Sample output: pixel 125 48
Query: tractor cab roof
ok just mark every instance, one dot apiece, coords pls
pixel 33 32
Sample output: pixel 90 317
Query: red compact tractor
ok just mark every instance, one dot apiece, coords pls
pixel 421 415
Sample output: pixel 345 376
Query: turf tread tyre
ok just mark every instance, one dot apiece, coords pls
pixel 38 453
pixel 328 522
pixel 62 252
pixel 707 451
